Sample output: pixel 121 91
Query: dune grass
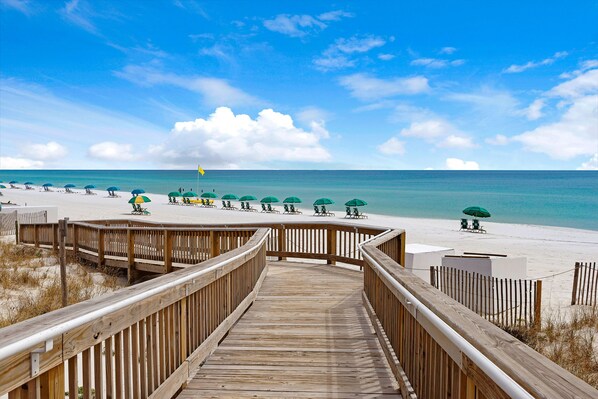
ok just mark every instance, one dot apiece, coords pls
pixel 30 283
pixel 571 342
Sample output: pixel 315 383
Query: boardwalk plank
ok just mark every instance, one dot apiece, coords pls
pixel 306 335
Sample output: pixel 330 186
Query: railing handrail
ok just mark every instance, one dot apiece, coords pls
pixel 504 381
pixel 484 349
pixel 9 346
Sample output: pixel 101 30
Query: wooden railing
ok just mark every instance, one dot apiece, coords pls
pixel 438 348
pixel 585 284
pixel 332 242
pixel 505 302
pixel 142 341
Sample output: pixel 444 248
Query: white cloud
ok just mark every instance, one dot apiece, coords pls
pixel 459 164
pixel 336 56
pixel 294 25
pixel 23 6
pixel 531 64
pixel 226 140
pixel 215 92
pixel 386 57
pixel 367 88
pixel 429 129
pixel 454 141
pixel 534 111
pixel 79 13
pixel 592 163
pixel 334 15
pixel 436 63
pixel 447 50
pixel 392 146
pixel 45 152
pixel 573 135
pixel 499 139
pixel 111 151
pixel 19 163
pixel 582 84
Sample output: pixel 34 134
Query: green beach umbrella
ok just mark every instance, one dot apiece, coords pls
pixel 190 194
pixel 476 211
pixel 292 200
pixel 28 183
pixel 174 194
pixel 89 187
pixel 230 197
pixel 323 201
pixel 13 182
pixel 248 198
pixel 70 185
pixel 355 202
pixel 48 185
pixel 139 199
pixel 269 200
pixel 209 195
pixel 113 188
pixel 2 186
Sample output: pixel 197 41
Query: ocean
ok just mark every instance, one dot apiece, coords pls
pixel 555 198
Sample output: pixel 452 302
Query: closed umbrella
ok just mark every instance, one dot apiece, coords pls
pixel 269 200
pixel 356 202
pixel 323 201
pixel 292 200
pixel 476 211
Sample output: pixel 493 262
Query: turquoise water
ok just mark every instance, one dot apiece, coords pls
pixel 557 198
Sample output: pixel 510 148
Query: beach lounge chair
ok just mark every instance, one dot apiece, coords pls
pixel 358 214
pixel 317 211
pixel 224 205
pixel 325 211
pixel 476 226
pixel 464 225
pixel 264 208
pixel 229 206
pixel 272 210
pixel 349 213
pixel 286 208
pixel 293 210
pixel 243 206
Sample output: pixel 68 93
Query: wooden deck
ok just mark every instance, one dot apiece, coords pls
pixel 306 335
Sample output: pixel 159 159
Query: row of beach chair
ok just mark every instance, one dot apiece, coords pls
pixel 322 212
pixel 355 214
pixel 138 210
pixel 268 209
pixel 473 228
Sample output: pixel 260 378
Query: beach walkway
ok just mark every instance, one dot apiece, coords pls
pixel 306 335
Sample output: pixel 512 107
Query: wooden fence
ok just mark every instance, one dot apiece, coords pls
pixel 438 348
pixel 8 220
pixel 143 341
pixel 585 284
pixel 503 301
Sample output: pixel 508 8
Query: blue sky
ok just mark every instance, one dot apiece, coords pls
pixel 299 85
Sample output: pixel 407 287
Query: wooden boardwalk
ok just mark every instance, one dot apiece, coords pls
pixel 306 335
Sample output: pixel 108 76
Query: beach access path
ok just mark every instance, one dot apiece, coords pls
pixel 549 250
pixel 306 335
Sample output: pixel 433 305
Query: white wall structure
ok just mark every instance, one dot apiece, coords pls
pixel 419 258
pixel 499 266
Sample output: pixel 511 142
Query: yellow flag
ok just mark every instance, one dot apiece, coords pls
pixel 200 170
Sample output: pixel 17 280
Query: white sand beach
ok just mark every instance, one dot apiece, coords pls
pixel 549 250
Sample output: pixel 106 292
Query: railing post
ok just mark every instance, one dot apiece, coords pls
pixel 17 231
pixel 575 283
pixel 214 244
pixel 432 276
pixel 402 248
pixel 167 251
pixel 538 305
pixel 130 256
pixel 183 328
pixel 35 235
pixel 101 250
pixel 282 241
pixel 331 245
pixel 52 383
pixel 63 226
